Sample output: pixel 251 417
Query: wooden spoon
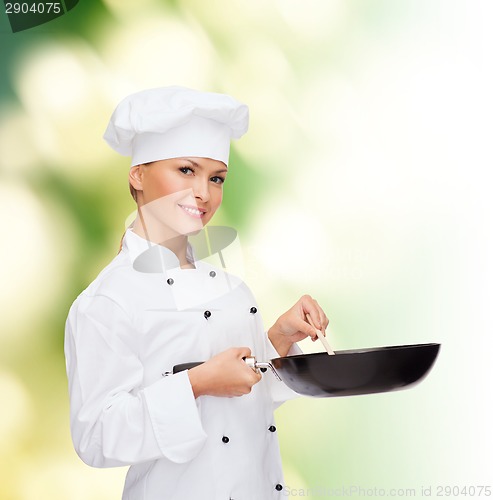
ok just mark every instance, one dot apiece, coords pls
pixel 321 336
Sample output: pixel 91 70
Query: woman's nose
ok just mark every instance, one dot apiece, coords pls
pixel 201 189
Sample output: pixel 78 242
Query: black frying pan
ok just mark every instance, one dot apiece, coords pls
pixel 351 372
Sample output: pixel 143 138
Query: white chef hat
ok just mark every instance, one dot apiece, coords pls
pixel 172 122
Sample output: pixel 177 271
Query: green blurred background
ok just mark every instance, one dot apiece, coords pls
pixel 364 180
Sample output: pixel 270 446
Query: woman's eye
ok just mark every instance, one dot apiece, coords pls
pixel 186 170
pixel 217 180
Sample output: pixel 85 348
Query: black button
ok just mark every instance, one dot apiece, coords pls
pixel 170 281
pixel 272 428
pixel 212 274
pixel 253 310
pixel 207 314
pixel 278 487
pixel 225 439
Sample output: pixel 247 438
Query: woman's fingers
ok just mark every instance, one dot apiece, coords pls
pixel 242 352
pixel 292 326
pixel 299 325
pixel 312 308
pixel 312 323
pixel 225 374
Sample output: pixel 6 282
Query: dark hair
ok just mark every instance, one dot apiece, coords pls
pixel 133 192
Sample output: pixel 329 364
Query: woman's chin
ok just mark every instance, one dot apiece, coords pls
pixel 193 233
pixel 189 228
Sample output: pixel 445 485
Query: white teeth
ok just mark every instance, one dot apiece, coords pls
pixel 193 211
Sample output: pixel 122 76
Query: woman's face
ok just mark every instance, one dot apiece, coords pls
pixel 180 194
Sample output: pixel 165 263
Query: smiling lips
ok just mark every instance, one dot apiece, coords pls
pixel 196 213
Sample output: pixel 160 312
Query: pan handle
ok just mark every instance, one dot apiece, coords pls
pixel 185 366
pixel 249 360
pixel 261 365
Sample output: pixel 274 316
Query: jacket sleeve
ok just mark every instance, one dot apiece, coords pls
pixel 114 419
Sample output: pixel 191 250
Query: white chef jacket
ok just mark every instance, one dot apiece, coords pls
pixel 141 316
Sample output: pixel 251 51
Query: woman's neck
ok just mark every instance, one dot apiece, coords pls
pixel 178 244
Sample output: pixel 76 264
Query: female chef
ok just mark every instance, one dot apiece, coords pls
pixel 207 432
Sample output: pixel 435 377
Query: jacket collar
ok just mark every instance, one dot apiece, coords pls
pixel 149 257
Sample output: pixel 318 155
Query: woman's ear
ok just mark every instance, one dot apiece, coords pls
pixel 135 177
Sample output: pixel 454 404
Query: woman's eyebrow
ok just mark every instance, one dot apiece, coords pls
pixel 194 163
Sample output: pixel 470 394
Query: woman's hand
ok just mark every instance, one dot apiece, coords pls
pixel 225 374
pixel 292 326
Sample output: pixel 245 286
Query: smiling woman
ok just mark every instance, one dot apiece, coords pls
pixel 176 196
pixel 206 432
